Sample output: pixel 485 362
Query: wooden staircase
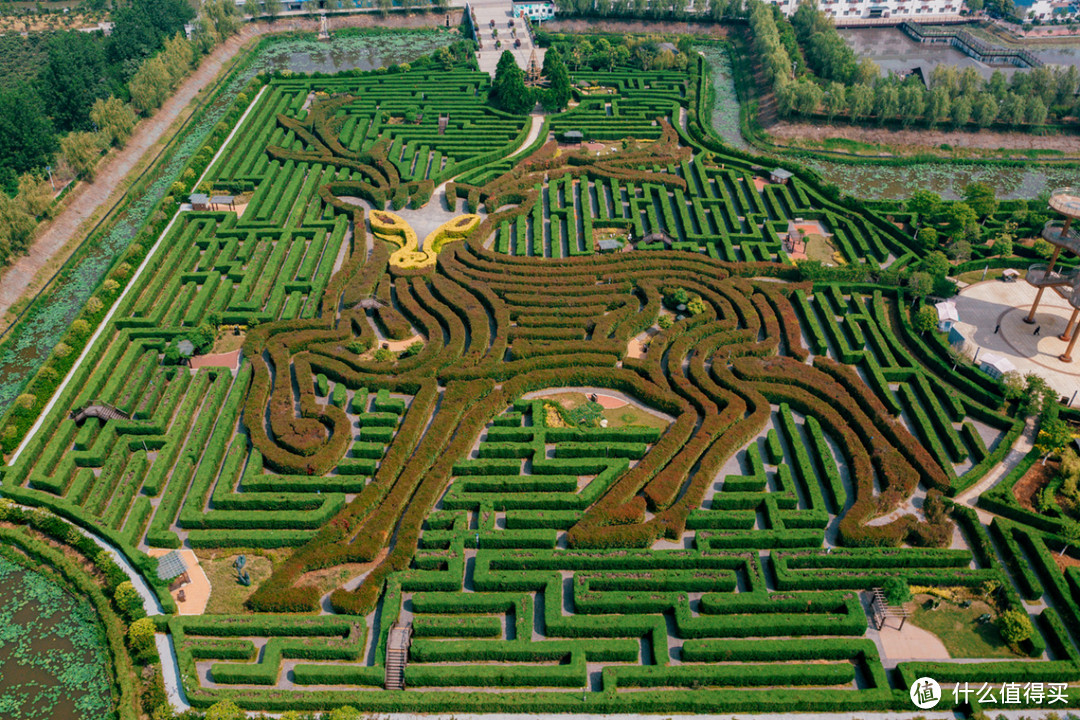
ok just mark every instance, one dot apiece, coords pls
pixel 101 411
pixel 397 656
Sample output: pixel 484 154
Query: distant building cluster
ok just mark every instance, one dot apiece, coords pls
pixel 920 10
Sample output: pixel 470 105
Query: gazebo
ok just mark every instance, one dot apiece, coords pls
pixel 1064 281
pixel 173 569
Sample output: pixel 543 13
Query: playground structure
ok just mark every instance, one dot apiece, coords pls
pixel 1065 282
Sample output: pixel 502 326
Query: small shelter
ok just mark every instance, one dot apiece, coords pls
pixel 794 242
pixel 995 365
pixel 780 176
pixel 573 136
pixel 227 200
pixel 1010 275
pixel 200 201
pixel 947 315
pixel 186 348
pixel 173 568
pixel 608 246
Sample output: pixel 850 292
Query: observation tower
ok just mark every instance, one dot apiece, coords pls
pixel 1066 283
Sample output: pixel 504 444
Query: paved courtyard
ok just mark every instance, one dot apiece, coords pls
pixel 500 12
pixel 985 305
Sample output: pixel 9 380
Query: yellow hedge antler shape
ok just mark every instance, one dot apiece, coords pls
pixel 394 229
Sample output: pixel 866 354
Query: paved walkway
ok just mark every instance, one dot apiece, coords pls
pixel 1019 452
pixel 196 592
pixel 983 306
pixel 500 11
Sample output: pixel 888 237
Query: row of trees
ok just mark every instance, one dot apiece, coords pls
pixel 85 101
pixel 675 9
pixel 822 76
pixel 644 52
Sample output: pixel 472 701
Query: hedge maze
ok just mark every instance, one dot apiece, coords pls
pixel 808 445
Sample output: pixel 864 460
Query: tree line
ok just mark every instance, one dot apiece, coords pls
pixel 821 76
pixel 87 97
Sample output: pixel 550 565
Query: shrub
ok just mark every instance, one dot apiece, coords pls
pixel 896 591
pixel 141 635
pixel 1015 626
pixel 383 355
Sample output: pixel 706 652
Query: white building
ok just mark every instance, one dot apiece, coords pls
pixel 995 365
pixel 947 315
pixel 914 10
pixel 536 11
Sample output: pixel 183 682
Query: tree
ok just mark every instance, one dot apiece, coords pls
pixel 985 110
pixel 75 75
pixel 1071 533
pixel 1015 626
pixel 310 6
pixel 925 319
pixel 1036 111
pixel 927 237
pixel 860 101
pixel 115 120
pixel 981 198
pixel 1054 435
pixel 150 85
pixel 345 713
pixel 508 88
pixel 16 227
pixel 959 251
pixel 912 103
pixel 35 194
pixel 960 220
pixel 960 111
pixel 936 264
pixel 924 203
pixel 1003 245
pixel 27 140
pixel 273 7
pixel 82 150
pixel 886 102
pixel 1012 383
pixel 896 591
pixel 558 93
pixel 252 8
pixel 940 104
pixel 835 100
pixel 1014 109
pixel 1038 397
pixel 127 598
pixel 141 635
pixel 920 284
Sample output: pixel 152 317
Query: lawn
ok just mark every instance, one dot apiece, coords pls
pixel 227 595
pixel 957 627
pixel 818 248
pixel 993 274
pixel 624 416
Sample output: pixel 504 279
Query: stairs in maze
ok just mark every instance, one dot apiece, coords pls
pixel 397 655
pixel 100 410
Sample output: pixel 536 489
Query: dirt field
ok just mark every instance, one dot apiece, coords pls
pixel 1033 482
pixel 597 25
pixel 911 141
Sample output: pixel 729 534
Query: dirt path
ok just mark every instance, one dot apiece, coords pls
pixel 57 240
pixel 88 197
pixel 910 141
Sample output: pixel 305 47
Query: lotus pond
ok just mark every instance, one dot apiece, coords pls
pixel 54 664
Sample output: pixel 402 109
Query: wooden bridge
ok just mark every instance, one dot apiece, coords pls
pixel 397 655
pixel 972 46
pixel 102 411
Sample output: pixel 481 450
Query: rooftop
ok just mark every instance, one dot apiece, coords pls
pixel 171 566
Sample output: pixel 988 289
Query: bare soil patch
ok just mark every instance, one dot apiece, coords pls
pixel 580 25
pixel 1033 482
pixel 906 142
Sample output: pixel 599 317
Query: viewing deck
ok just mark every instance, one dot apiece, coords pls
pixel 972 46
